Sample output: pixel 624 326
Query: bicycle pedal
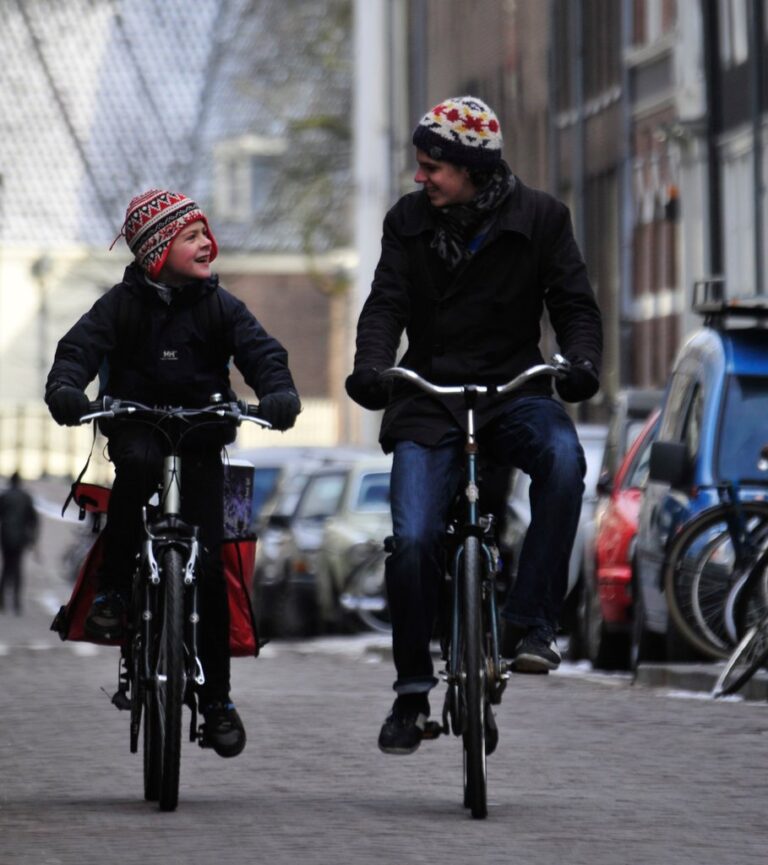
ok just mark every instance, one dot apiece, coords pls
pixel 121 700
pixel 432 730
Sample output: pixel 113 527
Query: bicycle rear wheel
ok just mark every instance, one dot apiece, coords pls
pixel 474 678
pixel 162 732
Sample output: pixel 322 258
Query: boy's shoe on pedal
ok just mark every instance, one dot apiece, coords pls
pixel 403 729
pixel 222 730
pixel 106 617
pixel 537 653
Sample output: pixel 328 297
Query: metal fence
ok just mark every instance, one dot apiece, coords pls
pixel 35 446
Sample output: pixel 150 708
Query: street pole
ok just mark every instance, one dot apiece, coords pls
pixel 371 163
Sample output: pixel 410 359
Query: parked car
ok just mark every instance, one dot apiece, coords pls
pixel 350 563
pixel 271 464
pixel 604 612
pixel 712 427
pixel 283 599
pixel 518 517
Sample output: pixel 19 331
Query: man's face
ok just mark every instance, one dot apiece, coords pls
pixel 189 256
pixel 444 182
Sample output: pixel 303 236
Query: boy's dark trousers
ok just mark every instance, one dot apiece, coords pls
pixel 137 453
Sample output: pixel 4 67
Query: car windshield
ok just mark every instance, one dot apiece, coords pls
pixel 321 496
pixel 373 493
pixel 743 430
pixel 264 482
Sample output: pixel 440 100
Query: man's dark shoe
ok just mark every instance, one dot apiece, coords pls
pixel 537 653
pixel 223 730
pixel 402 731
pixel 106 617
pixel 510 638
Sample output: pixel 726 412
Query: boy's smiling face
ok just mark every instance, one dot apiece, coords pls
pixel 189 256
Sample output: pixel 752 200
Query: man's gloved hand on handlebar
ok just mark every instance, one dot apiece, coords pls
pixel 280 408
pixel 580 381
pixel 68 404
pixel 366 387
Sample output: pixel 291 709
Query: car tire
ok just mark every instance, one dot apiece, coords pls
pixel 605 649
pixel 576 637
pixel 295 611
pixel 644 645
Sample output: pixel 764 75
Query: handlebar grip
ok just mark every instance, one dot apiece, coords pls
pixel 102 404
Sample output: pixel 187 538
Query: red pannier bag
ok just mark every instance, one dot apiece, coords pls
pixel 238 556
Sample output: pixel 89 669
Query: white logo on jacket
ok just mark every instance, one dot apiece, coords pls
pixel 170 354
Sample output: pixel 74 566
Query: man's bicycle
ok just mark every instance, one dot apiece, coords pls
pixel 160 666
pixel 474 673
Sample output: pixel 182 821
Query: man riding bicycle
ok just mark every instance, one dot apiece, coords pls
pixel 164 336
pixel 468 265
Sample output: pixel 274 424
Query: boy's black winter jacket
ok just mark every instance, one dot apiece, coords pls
pixel 172 356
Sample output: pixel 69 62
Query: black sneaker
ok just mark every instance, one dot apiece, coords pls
pixel 106 617
pixel 223 730
pixel 537 653
pixel 510 638
pixel 402 731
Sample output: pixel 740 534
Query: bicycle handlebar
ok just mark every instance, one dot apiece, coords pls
pixel 557 368
pixel 239 411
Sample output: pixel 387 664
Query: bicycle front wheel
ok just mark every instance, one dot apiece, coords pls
pixel 474 679
pixel 166 687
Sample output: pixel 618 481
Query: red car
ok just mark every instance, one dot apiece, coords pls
pixel 605 609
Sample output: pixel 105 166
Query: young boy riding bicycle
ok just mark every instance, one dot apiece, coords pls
pixel 183 330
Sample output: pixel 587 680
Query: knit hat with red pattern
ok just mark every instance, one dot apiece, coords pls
pixel 462 130
pixel 152 221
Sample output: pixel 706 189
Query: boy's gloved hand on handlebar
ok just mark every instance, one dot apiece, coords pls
pixel 366 387
pixel 580 382
pixel 281 409
pixel 67 405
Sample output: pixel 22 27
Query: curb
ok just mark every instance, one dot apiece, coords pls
pixel 698 678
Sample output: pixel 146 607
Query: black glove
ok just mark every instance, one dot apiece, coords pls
pixel 281 409
pixel 366 388
pixel 67 405
pixel 580 383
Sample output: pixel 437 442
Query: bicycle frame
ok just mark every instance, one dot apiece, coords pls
pixel 159 658
pixel 473 674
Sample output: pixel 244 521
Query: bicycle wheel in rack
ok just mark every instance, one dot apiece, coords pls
pixel 166 691
pixel 700 568
pixel 474 678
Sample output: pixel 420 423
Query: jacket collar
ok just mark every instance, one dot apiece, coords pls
pixel 516 213
pixel 135 279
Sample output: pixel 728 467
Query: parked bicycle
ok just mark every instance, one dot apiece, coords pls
pixel 474 673
pixel 707 567
pixel 160 667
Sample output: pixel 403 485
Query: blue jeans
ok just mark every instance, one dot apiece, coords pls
pixel 534 434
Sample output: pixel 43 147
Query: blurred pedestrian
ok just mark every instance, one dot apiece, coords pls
pixel 18 530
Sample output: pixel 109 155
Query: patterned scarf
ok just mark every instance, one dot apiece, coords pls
pixel 458 224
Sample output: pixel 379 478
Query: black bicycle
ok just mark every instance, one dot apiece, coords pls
pixel 474 673
pixel 159 666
